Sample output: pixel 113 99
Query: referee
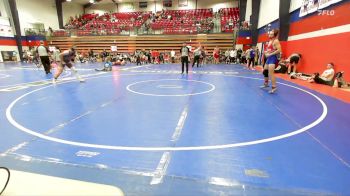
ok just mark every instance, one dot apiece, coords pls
pixel 43 53
pixel 184 51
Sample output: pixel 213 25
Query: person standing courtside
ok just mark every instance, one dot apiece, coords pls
pixel 216 55
pixel 43 53
pixel 56 55
pixel 197 55
pixel 272 50
pixel 184 51
pixel 172 55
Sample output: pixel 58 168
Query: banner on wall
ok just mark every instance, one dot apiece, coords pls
pixel 5 27
pixel 167 3
pixel 143 4
pixel 311 6
pixel 183 3
pixel 129 7
pixel 6 31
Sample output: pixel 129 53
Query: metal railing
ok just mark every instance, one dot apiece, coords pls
pixel 217 28
pixel 135 31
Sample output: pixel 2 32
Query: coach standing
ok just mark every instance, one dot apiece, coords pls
pixel 43 53
pixel 184 51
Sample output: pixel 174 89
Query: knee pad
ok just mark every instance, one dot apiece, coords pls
pixel 266 73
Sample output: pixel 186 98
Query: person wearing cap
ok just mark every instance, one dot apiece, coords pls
pixel 66 59
pixel 43 53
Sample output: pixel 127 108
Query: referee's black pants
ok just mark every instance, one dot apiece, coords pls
pixel 184 60
pixel 46 63
pixel 196 59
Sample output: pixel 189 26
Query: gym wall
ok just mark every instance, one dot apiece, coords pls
pixel 322 38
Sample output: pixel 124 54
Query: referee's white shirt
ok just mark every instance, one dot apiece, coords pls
pixel 42 51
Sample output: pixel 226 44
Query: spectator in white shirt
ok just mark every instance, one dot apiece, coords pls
pixel 227 56
pixel 172 55
pixel 326 77
pixel 56 55
pixel 233 54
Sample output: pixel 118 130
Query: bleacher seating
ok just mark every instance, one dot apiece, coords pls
pixel 229 19
pixel 60 33
pixel 111 24
pixel 167 22
pixel 183 21
pixel 182 24
pixel 89 16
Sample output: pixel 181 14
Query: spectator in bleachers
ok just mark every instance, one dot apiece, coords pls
pixel 230 23
pixel 177 14
pixel 216 23
pixel 198 26
pixel 192 21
